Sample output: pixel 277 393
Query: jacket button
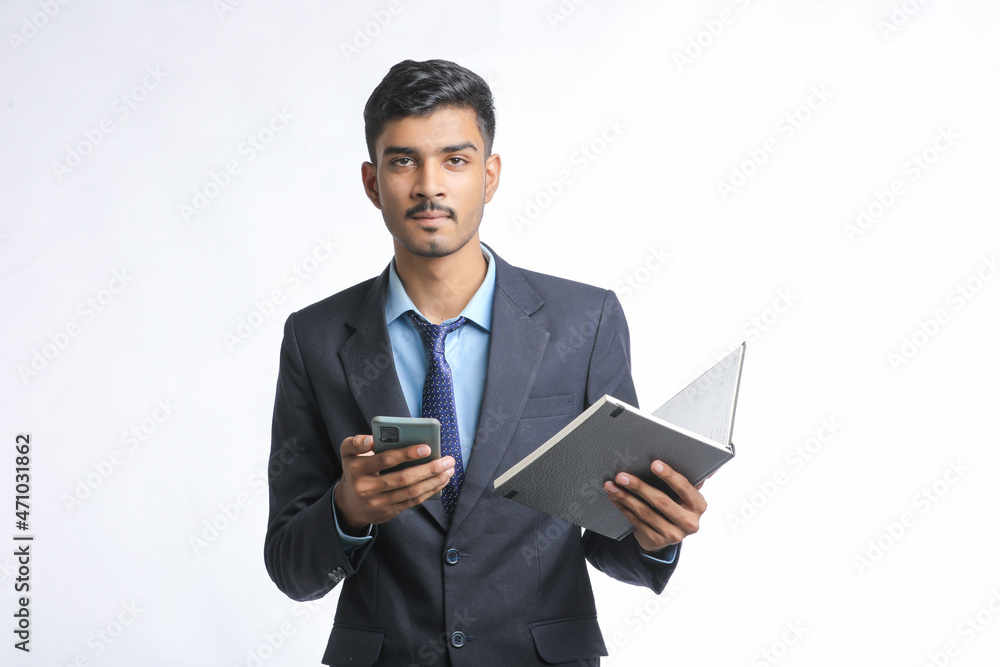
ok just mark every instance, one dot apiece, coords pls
pixel 337 575
pixel 458 639
pixel 451 556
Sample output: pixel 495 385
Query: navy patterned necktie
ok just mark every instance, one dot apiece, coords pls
pixel 439 402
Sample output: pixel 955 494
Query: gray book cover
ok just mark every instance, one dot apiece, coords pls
pixel 692 432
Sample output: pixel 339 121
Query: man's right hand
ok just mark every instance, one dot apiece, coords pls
pixel 365 497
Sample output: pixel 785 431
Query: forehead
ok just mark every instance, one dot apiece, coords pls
pixel 444 127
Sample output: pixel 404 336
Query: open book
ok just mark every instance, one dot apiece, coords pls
pixel 692 433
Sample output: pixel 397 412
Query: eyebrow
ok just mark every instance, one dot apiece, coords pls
pixel 406 150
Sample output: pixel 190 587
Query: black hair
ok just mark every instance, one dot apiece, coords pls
pixel 420 88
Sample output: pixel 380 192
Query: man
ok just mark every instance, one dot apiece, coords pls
pixel 472 579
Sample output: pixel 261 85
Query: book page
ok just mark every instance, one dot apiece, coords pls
pixel 707 406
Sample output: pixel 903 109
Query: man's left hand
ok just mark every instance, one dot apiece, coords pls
pixel 663 521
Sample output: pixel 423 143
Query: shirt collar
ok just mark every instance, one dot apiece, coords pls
pixel 478 310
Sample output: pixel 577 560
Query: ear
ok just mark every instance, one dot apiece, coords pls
pixel 369 178
pixel 492 176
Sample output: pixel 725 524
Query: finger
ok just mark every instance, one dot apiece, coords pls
pixel 645 515
pixel 640 490
pixel 356 445
pixel 393 457
pixel 390 458
pixel 689 494
pixel 419 491
pixel 655 507
pixel 650 537
pixel 384 491
pixel 387 482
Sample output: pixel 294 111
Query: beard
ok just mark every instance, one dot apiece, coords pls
pixel 450 238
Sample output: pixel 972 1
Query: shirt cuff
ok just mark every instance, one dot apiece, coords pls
pixel 349 543
pixel 666 555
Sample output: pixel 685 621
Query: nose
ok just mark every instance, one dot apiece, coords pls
pixel 429 183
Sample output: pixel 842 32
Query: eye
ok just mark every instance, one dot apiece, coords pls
pixel 403 161
pixel 457 161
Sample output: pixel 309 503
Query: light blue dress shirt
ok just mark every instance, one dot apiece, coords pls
pixel 466 349
pixel 467 352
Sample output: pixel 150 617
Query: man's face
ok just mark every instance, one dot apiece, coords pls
pixel 431 181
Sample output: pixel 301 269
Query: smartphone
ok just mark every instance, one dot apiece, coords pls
pixel 395 432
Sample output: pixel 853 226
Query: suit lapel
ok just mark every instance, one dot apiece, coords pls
pixel 371 369
pixel 368 361
pixel 516 347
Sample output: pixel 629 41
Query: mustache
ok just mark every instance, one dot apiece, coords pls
pixel 427 205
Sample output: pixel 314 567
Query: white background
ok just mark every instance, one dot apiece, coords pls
pixel 843 547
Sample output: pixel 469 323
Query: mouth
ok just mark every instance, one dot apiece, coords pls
pixel 431 219
pixel 430 216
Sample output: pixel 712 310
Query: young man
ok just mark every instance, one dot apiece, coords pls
pixel 508 357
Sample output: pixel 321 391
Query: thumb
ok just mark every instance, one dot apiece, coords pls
pixel 359 445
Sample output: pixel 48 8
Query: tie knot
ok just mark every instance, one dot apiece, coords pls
pixel 435 334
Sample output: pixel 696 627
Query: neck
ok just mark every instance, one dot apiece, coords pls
pixel 442 286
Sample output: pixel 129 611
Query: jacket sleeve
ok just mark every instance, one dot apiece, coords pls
pixel 302 551
pixel 610 372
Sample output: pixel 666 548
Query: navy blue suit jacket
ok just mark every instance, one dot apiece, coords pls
pixel 501 584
